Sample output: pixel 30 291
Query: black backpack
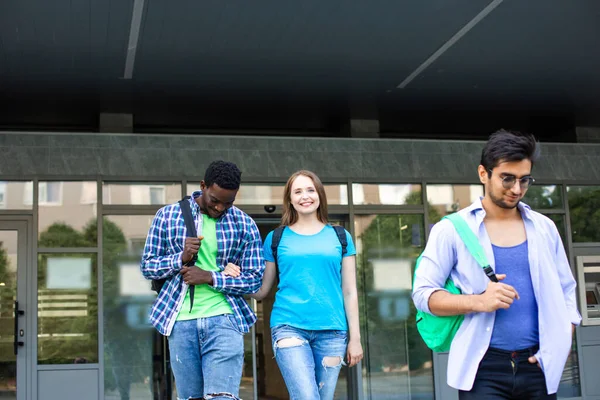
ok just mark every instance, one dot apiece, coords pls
pixel 186 212
pixel 278 232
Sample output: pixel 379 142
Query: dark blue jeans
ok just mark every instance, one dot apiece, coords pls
pixel 508 375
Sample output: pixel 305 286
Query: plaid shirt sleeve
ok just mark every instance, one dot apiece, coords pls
pixel 157 263
pixel 252 266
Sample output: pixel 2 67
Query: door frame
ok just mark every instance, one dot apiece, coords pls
pixel 26 296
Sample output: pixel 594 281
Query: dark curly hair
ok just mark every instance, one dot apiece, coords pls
pixel 507 146
pixel 224 173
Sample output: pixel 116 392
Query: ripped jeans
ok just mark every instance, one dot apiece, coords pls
pixel 206 358
pixel 310 362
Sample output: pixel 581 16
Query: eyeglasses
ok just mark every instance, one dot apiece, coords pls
pixel 509 181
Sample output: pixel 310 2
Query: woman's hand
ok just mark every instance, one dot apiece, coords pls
pixel 232 270
pixel 354 353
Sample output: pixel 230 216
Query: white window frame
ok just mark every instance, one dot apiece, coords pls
pixel 42 188
pixel 3 194
pixel 140 194
pixel 163 194
pixel 86 188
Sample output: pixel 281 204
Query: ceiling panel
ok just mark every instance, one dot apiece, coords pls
pixel 539 51
pixel 63 42
pixel 313 43
pixel 529 57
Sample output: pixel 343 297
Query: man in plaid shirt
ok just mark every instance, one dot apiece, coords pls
pixel 205 326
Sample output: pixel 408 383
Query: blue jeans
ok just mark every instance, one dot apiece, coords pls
pixel 310 362
pixel 206 357
pixel 508 375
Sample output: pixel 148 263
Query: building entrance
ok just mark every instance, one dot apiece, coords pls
pixel 16 342
pixel 264 381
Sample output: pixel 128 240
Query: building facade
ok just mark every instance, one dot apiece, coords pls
pixel 75 210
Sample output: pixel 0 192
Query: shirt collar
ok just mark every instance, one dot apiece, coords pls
pixel 477 209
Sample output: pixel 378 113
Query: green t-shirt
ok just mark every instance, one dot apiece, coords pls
pixel 208 302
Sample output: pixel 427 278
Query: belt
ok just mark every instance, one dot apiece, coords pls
pixel 515 353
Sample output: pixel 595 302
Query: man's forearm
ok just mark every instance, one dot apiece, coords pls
pixel 158 267
pixel 442 303
pixel 244 284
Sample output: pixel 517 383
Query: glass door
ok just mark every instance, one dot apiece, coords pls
pixel 14 346
pixel 264 381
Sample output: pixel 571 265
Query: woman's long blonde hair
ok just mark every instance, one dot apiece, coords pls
pixel 290 215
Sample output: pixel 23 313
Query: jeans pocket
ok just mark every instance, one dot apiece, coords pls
pixel 276 329
pixel 341 334
pixel 233 323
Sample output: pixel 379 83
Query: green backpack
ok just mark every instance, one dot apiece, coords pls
pixel 438 332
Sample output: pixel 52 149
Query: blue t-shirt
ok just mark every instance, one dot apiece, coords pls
pixel 309 295
pixel 517 327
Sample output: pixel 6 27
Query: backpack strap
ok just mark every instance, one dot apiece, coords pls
pixel 186 212
pixel 277 233
pixel 472 243
pixel 341 234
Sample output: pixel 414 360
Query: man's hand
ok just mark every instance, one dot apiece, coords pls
pixel 533 360
pixel 191 248
pixel 232 270
pixel 196 276
pixel 497 295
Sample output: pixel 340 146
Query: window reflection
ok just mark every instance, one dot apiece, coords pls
pixel 543 197
pixel 397 361
pixel 584 203
pixel 337 194
pixel 141 193
pixel 133 351
pixel 16 195
pixel 64 219
pixel 49 193
pixel 273 194
pixel 2 194
pixel 447 199
pixel 9 244
pixel 67 308
pixel 386 194
pixel 559 221
pixel 570 383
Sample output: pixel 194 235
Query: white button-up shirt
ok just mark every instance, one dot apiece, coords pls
pixel 553 285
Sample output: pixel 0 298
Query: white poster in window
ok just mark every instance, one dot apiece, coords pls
pixel 132 282
pixel 69 273
pixel 392 274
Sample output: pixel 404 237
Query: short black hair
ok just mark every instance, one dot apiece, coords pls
pixel 507 146
pixel 224 173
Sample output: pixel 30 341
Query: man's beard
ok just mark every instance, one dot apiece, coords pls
pixel 501 203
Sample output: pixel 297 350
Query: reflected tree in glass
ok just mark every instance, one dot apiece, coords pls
pixel 584 208
pixel 7 298
pixel 72 338
pixel 397 359
pixel 394 348
pixel 60 234
pixel 127 343
pixel 543 197
pixel 5 276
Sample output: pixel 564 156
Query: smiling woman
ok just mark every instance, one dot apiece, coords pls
pixel 314 322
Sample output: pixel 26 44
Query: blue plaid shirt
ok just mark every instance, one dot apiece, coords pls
pixel 239 242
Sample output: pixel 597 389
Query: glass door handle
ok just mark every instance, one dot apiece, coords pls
pixel 18 313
